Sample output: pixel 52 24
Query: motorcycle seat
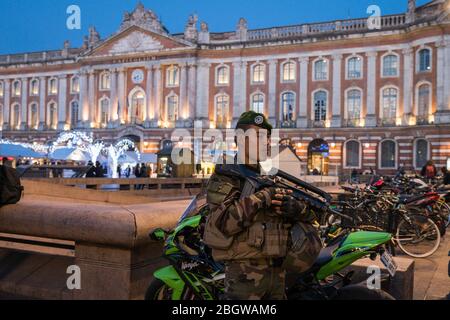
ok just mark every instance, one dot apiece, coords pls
pixel 326 255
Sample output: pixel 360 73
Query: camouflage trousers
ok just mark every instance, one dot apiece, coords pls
pixel 254 280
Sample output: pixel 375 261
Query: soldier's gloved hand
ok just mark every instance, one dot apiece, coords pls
pixel 289 207
pixel 272 194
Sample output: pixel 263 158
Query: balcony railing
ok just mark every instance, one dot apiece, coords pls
pixel 352 123
pixel 387 122
pixel 318 124
pixel 346 26
pixel 288 124
pixel 422 120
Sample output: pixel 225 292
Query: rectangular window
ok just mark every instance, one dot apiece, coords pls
pixel 390 66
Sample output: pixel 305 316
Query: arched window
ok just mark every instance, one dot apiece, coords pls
pixel 222 109
pixel 424 60
pixel 352 154
pixel 52 119
pixel 320 106
pixel 105 81
pixel 172 108
pixel 422 153
pixel 354 104
pixel 34 87
pixel 223 76
pixel 388 154
pixel 15 116
pixel 1 115
pixel 389 104
pixel 289 72
pixel 354 68
pixel 287 108
pixel 104 112
pixel 259 73
pixel 258 102
pixel 53 86
pixel 74 114
pixel 137 107
pixel 173 76
pixel 16 88
pixel 321 70
pixel 75 84
pixel 2 89
pixel 390 65
pixel 34 116
pixel 423 101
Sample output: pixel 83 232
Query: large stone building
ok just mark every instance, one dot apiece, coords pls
pixel 348 93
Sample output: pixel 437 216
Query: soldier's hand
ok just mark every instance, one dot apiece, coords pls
pixel 272 196
pixel 288 207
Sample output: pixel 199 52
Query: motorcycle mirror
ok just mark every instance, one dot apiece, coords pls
pixel 158 235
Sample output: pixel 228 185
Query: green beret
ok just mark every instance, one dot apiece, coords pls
pixel 255 119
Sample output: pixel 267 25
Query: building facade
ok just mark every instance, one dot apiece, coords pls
pixel 349 94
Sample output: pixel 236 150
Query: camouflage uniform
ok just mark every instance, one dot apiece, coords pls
pixel 255 242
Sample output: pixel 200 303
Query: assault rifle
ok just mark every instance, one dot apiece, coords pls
pixel 301 190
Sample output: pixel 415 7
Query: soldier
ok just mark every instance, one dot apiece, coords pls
pixel 261 236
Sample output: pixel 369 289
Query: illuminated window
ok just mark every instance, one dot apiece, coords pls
pixel 421 153
pixel 34 116
pixel 53 86
pixel 172 108
pixel 1 115
pixel 354 68
pixel 320 106
pixel 105 81
pixel 15 116
pixel 288 107
pixel 424 60
pixel 52 118
pixel 390 66
pixel 75 85
pixel 259 73
pixel 74 114
pixel 16 88
pixel 258 103
pixel 424 100
pixel 2 90
pixel 34 87
pixel 173 76
pixel 352 154
pixel 389 103
pixel 354 104
pixel 289 72
pixel 222 106
pixel 321 70
pixel 388 154
pixel 223 75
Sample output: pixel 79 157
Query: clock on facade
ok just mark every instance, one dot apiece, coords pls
pixel 137 76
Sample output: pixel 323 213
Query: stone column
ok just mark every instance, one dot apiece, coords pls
pixel 84 102
pixel 62 102
pixel 237 100
pixel 408 87
pixel 150 114
pixel 42 95
pixel 113 102
pixel 24 104
pixel 442 115
pixel 302 121
pixel 272 106
pixel 202 107
pixel 92 103
pixel 183 104
pixel 243 87
pixel 192 90
pixel 371 120
pixel 122 104
pixel 7 104
pixel 336 120
pixel 157 92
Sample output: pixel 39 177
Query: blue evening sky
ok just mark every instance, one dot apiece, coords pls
pixel 35 25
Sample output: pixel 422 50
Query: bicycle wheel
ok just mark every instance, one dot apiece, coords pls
pixel 418 236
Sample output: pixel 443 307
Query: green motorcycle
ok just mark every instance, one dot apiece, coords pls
pixel 194 275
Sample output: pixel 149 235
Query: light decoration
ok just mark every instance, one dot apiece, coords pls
pixel 73 139
pixel 39 148
pixel 94 150
pixel 126 145
pixel 118 150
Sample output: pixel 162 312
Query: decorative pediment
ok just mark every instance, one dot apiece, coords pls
pixel 134 42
